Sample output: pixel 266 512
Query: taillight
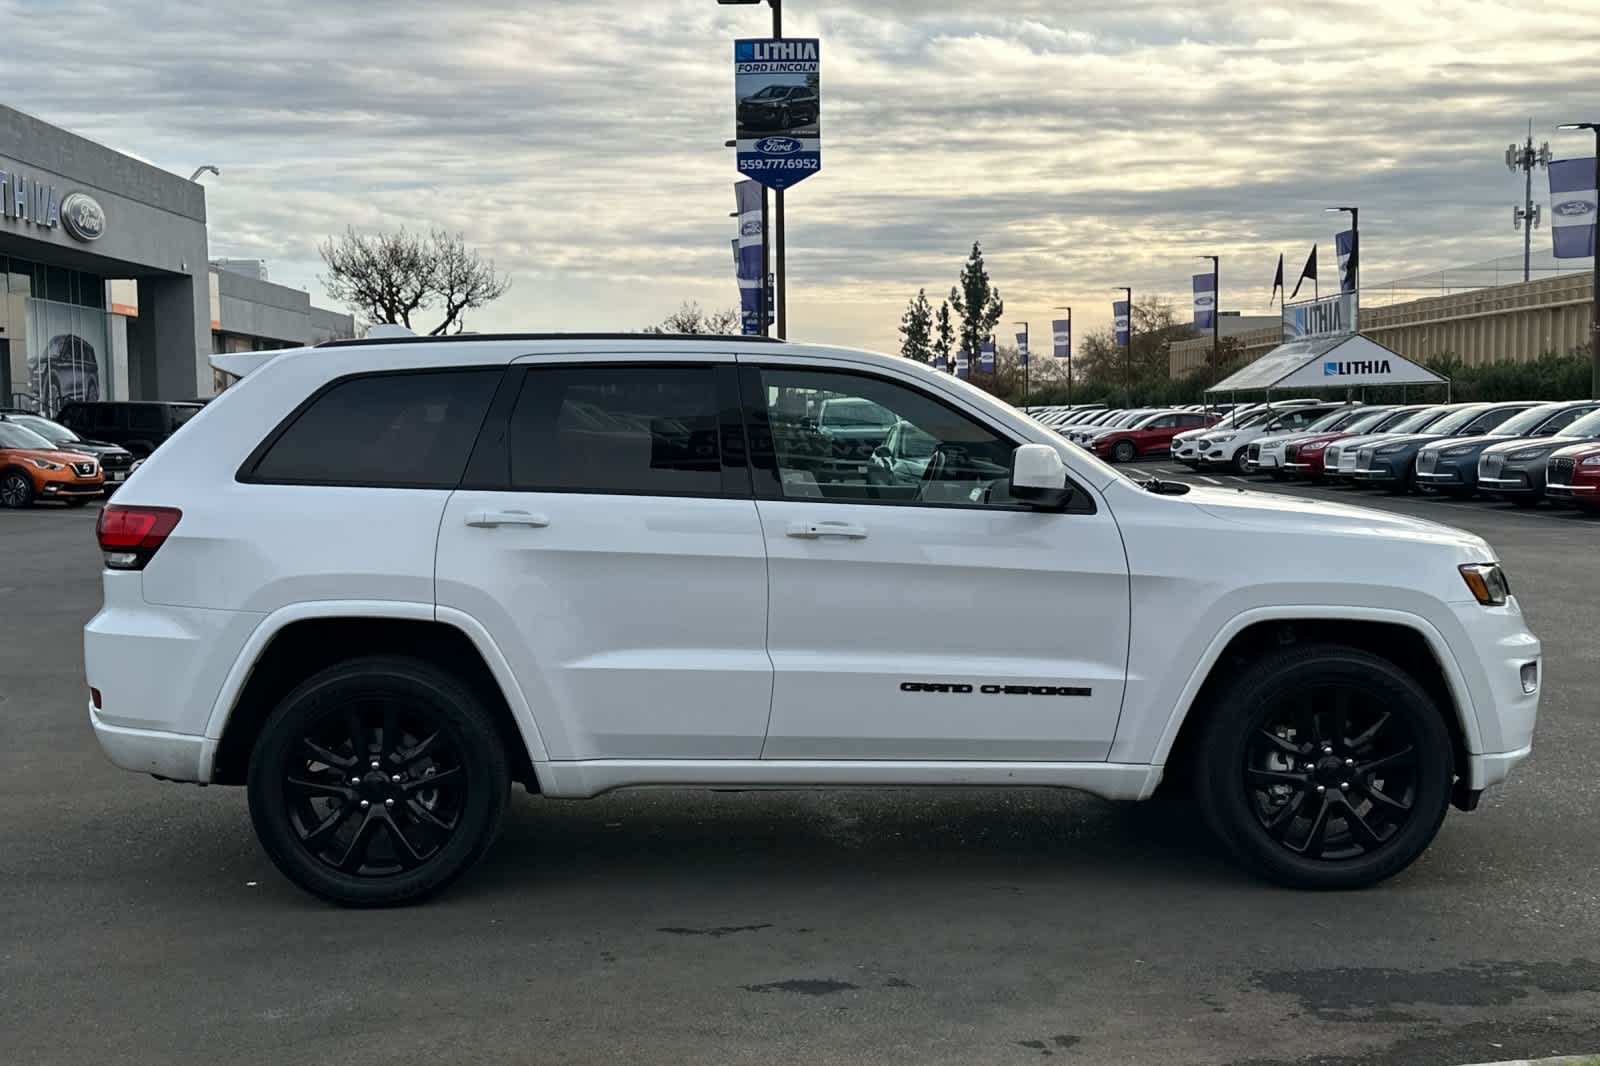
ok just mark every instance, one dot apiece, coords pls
pixel 131 536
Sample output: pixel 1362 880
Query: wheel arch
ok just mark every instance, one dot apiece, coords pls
pixel 1408 641
pixel 294 642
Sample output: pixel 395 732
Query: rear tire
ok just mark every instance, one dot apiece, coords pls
pixel 1286 725
pixel 341 739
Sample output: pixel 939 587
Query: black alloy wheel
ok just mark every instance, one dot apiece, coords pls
pixel 16 489
pixel 1324 767
pixel 377 782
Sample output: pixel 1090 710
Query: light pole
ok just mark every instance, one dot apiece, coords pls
pixel 780 296
pixel 1355 247
pixel 1127 351
pixel 1526 158
pixel 1216 308
pixel 201 170
pixel 1068 310
pixel 1594 314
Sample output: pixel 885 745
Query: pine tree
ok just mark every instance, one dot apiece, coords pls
pixel 944 337
pixel 915 327
pixel 977 302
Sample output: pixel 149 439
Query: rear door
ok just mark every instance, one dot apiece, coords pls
pixel 925 615
pixel 606 536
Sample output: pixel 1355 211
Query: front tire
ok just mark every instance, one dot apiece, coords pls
pixel 377 782
pixel 1239 461
pixel 16 489
pixel 1336 719
pixel 1124 452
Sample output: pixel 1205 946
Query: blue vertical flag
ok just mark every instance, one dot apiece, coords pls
pixel 1119 313
pixel 747 255
pixel 1344 246
pixel 1022 347
pixel 963 364
pixel 1573 207
pixel 986 354
pixel 1061 338
pixel 1205 300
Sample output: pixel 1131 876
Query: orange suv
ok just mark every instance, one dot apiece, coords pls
pixel 31 468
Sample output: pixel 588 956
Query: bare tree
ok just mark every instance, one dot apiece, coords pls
pixel 690 319
pixel 388 277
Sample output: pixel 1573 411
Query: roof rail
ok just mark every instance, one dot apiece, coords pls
pixel 357 342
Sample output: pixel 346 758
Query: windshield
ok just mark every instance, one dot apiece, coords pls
pixel 1521 424
pixel 853 414
pixel 45 428
pixel 771 91
pixel 15 436
pixel 182 413
pixel 1587 426
pixel 1334 419
pixel 1249 420
pixel 1366 421
pixel 1419 420
pixel 1455 420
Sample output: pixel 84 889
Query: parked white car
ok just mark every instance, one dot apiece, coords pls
pixel 376 582
pixel 1227 449
pixel 1265 455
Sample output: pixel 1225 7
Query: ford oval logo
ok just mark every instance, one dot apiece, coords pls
pixel 1204 301
pixel 83 217
pixel 750 228
pixel 777 145
pixel 1573 208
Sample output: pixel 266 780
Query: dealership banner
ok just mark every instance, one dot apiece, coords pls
pixel 1205 300
pixel 963 364
pixel 777 109
pixel 1344 245
pixel 1330 316
pixel 1573 207
pixel 747 255
pixel 986 354
pixel 1061 338
pixel 1022 347
pixel 1119 315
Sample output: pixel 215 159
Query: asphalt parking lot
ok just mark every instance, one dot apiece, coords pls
pixel 139 922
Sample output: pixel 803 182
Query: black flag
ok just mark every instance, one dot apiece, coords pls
pixel 1277 281
pixel 1310 271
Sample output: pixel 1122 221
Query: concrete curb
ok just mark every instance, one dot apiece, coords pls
pixel 1565 1060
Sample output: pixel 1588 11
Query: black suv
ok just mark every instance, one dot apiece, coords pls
pixel 138 425
pixel 779 107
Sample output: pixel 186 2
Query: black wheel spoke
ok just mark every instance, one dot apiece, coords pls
pixel 443 777
pixel 1340 714
pixel 1278 825
pixel 358 735
pixel 425 816
pixel 1406 756
pixel 356 854
pixel 1287 747
pixel 1359 828
pixel 407 854
pixel 1368 735
pixel 388 732
pixel 422 748
pixel 1382 799
pixel 1276 777
pixel 324 830
pixel 325 755
pixel 314 787
pixel 1318 834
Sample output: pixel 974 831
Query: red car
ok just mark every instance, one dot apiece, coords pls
pixel 1573 473
pixel 1150 435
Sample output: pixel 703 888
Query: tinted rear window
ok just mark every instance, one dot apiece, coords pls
pixel 406 430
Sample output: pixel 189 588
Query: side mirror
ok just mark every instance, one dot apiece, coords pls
pixel 1038 476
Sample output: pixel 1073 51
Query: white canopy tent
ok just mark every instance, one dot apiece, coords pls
pixel 1348 361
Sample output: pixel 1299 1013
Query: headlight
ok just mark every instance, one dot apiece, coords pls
pixel 1487 582
pixel 1314 446
pixel 1462 449
pixel 45 464
pixel 1221 438
pixel 1389 449
pixel 1524 456
pixel 1593 460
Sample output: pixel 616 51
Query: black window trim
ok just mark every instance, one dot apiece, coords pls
pixel 246 473
pixel 766 480
pixel 489 466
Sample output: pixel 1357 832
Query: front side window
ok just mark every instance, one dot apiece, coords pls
pixel 636 430
pixel 411 430
pixel 947 458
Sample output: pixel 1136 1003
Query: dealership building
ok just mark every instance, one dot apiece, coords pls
pixel 107 291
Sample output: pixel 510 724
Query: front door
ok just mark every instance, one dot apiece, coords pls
pixel 917 612
pixel 617 560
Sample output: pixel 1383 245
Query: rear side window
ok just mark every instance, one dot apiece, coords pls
pixel 106 416
pixel 637 430
pixel 147 417
pixel 180 415
pixel 407 430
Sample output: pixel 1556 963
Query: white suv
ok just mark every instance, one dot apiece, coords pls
pixel 377 582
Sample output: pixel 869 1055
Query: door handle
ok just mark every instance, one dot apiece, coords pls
pixel 494 519
pixel 813 530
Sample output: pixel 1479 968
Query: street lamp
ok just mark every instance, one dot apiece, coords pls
pixel 1068 310
pixel 1594 314
pixel 1355 247
pixel 201 170
pixel 780 295
pixel 1216 308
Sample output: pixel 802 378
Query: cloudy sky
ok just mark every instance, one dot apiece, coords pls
pixel 1087 144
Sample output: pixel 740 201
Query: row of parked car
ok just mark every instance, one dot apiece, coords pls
pixel 82 454
pixel 1518 450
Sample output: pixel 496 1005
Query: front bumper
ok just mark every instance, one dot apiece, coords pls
pixel 55 489
pixel 1446 476
pixel 1578 490
pixel 1376 474
pixel 1500 646
pixel 1506 486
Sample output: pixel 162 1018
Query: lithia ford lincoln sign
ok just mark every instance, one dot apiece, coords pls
pixel 31 202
